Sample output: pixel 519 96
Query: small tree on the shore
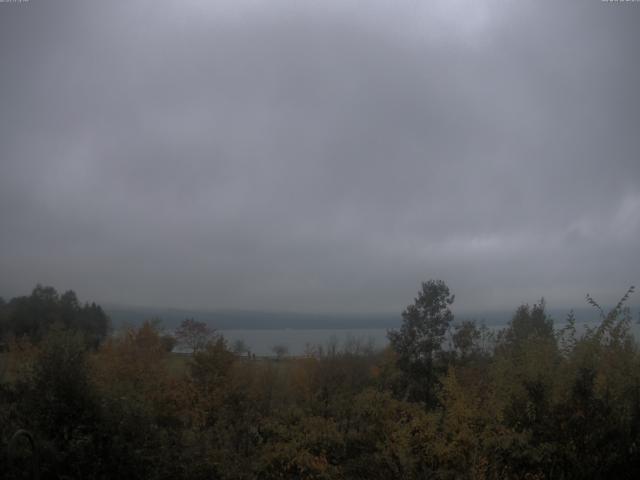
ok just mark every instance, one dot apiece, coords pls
pixel 280 351
pixel 194 335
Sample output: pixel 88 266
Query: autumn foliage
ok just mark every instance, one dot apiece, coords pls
pixel 446 400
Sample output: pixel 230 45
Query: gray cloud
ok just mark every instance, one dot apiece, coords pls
pixel 320 156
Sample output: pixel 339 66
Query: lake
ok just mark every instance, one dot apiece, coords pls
pixel 261 342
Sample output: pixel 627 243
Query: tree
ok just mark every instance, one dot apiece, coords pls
pixel 60 405
pixel 36 314
pixel 61 382
pixel 527 323
pixel 280 350
pixel 418 343
pixel 211 364
pixel 139 398
pixel 466 339
pixel 194 335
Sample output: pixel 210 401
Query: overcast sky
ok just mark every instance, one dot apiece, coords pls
pixel 320 156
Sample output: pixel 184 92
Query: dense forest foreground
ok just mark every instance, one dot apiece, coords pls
pixel 445 399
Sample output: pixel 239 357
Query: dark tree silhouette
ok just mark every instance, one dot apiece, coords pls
pixel 418 343
pixel 194 335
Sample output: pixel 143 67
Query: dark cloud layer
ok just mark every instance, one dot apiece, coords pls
pixel 320 156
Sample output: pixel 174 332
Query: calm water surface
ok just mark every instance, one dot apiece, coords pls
pixel 297 341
